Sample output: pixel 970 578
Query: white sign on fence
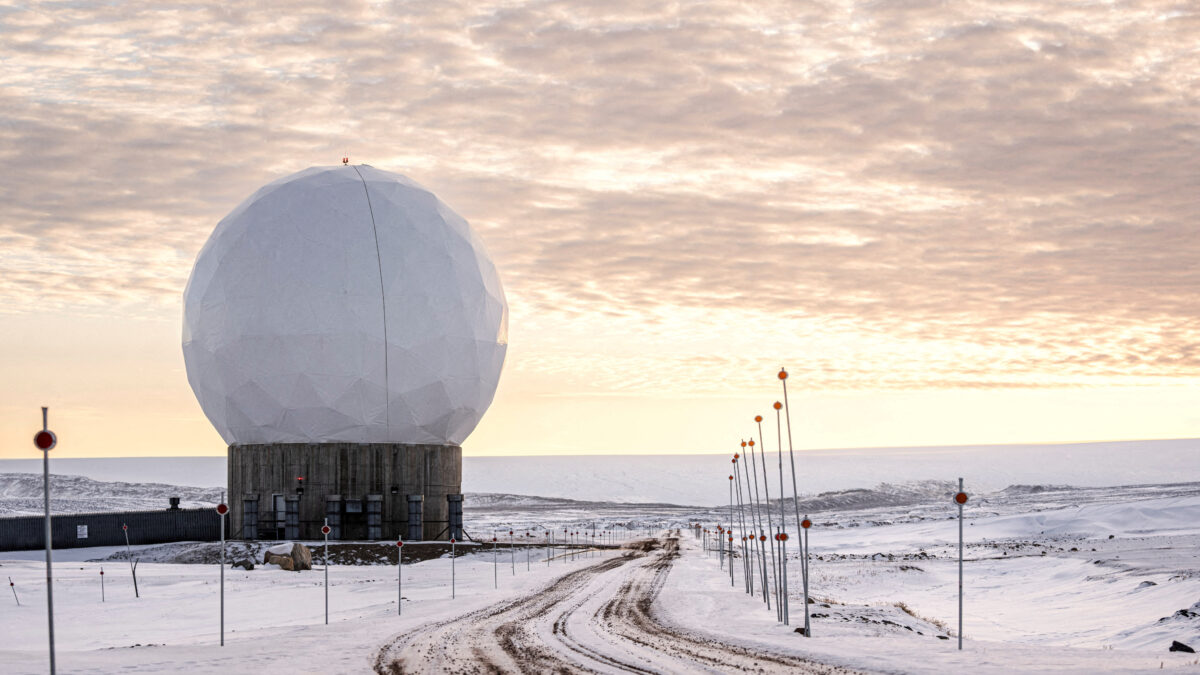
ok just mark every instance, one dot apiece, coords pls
pixel 81 531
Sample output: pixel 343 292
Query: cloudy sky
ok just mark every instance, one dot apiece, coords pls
pixel 954 222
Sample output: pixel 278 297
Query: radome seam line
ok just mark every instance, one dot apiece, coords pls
pixel 387 403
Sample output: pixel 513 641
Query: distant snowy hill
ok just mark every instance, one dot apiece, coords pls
pixel 21 494
pixel 700 480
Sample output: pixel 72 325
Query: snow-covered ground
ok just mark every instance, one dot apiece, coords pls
pixel 1060 579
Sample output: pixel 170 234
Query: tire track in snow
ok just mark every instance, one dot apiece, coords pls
pixel 596 619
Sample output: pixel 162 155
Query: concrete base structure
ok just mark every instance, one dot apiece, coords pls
pixel 367 491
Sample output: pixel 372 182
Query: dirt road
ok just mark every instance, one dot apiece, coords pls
pixel 599 619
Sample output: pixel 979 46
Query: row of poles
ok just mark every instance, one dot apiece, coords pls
pixel 757 548
pixel 755 545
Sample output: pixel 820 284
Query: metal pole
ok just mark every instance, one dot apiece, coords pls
pixel 737 485
pixel 222 517
pixel 495 564
pixel 132 565
pixel 528 545
pixel 729 535
pixel 14 588
pixel 782 514
pixel 796 501
pixel 512 553
pixel 326 561
pixel 452 590
pixel 754 550
pixel 762 552
pixel 549 549
pixel 807 628
pixel 400 578
pixel 49 541
pixel 960 567
pixel 762 453
pixel 783 557
pixel 101 584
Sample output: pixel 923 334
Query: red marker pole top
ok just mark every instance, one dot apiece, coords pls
pixel 762 537
pixel 324 529
pixel 743 444
pixel 961 498
pixel 399 544
pixel 758 418
pixel 777 405
pixel 806 523
pixel 451 540
pixel 783 536
pixel 222 509
pixel 45 440
pixel 782 374
pixel 752 443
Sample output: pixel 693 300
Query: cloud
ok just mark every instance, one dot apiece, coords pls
pixel 886 194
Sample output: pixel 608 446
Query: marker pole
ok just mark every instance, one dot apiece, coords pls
pixel 132 564
pixel 101 584
pixel 796 500
pixel 762 552
pixel 399 578
pixel 960 501
pixel 222 517
pixel 325 531
pixel 14 589
pixel 730 534
pixel 783 570
pixel 495 565
pixel 805 524
pixel 49 540
pixel 783 600
pixel 452 580
pixel 512 553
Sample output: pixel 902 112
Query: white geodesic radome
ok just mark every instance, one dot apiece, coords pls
pixel 345 304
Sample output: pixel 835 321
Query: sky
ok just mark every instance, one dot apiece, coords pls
pixel 953 222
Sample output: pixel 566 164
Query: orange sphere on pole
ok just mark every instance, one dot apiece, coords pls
pixel 961 498
pixel 806 523
pixel 758 418
pixel 782 374
pixel 731 477
pixel 752 443
pixel 736 455
pixel 778 405
pixel 743 444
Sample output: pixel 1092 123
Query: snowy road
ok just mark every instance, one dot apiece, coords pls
pixel 597 619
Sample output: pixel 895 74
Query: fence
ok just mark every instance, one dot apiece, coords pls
pixel 104 529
